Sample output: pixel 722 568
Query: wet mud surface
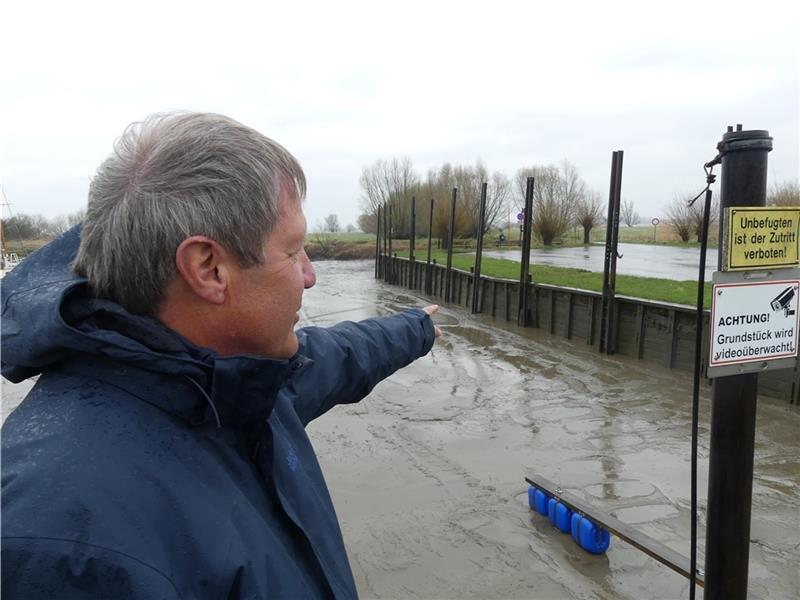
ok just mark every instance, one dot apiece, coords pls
pixel 427 473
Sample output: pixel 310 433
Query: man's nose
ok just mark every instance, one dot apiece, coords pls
pixel 310 276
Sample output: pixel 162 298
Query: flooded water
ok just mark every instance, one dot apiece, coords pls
pixel 642 260
pixel 427 473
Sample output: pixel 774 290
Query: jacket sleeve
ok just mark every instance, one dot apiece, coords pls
pixel 44 568
pixel 349 359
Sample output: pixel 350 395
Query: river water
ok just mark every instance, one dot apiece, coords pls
pixel 642 260
pixel 427 473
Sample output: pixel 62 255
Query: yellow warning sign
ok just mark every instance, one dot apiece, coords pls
pixel 762 238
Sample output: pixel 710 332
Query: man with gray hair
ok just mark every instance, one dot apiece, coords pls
pixel 162 452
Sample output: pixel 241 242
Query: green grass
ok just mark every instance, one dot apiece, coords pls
pixel 650 288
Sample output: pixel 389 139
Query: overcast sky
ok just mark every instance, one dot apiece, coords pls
pixel 342 84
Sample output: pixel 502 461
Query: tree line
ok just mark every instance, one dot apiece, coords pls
pixel 37 227
pixel 687 219
pixel 561 198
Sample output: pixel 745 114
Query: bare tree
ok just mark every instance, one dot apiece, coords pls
pixel 439 184
pixel 589 213
pixel 784 193
pixel 390 181
pixel 498 198
pixel 469 180
pixel 368 223
pixel 697 214
pixel 628 213
pixel 350 228
pixel 76 217
pixel 331 224
pixel 573 187
pixel 555 198
pixel 680 216
pixel 26 227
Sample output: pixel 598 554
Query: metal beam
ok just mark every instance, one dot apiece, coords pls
pixel 652 547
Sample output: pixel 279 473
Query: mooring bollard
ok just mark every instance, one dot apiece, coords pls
pixel 733 399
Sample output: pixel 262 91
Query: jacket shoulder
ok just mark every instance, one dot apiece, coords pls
pixel 89 471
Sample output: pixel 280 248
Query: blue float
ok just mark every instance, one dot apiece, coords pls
pixel 593 539
pixel 563 517
pixel 540 502
pixel 551 510
pixel 585 532
pixel 575 527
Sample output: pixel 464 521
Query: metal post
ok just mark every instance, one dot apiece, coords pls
pixel 611 330
pixel 450 236
pixel 522 314
pixel 385 267
pixel 476 282
pixel 607 324
pixel 428 269
pixel 390 278
pixel 378 245
pixel 733 398
pixel 412 240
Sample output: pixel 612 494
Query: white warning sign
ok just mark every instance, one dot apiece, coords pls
pixel 754 321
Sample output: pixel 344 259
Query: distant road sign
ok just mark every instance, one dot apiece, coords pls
pixel 521 216
pixel 655 221
pixel 761 238
pixel 753 322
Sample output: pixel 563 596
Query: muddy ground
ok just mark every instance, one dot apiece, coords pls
pixel 427 473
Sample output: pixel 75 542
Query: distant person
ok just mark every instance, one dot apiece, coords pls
pixel 162 452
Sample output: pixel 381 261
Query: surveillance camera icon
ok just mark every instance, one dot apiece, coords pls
pixel 782 300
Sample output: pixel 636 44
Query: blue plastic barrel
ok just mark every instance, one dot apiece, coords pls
pixel 551 510
pixel 540 500
pixel 563 518
pixel 575 527
pixel 593 539
pixel 531 497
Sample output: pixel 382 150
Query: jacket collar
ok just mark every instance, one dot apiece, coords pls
pixel 52 321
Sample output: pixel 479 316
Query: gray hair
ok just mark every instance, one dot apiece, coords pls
pixel 172 176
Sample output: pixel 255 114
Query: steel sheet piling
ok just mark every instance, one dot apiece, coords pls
pixel 733 398
pixel 476 281
pixel 524 279
pixel 450 236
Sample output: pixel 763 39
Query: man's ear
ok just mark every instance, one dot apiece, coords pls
pixel 204 266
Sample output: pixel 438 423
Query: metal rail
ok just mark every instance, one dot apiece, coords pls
pixel 653 548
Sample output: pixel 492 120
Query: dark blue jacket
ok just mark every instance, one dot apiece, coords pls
pixel 141 466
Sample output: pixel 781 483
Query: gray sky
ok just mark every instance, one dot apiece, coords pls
pixel 342 84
